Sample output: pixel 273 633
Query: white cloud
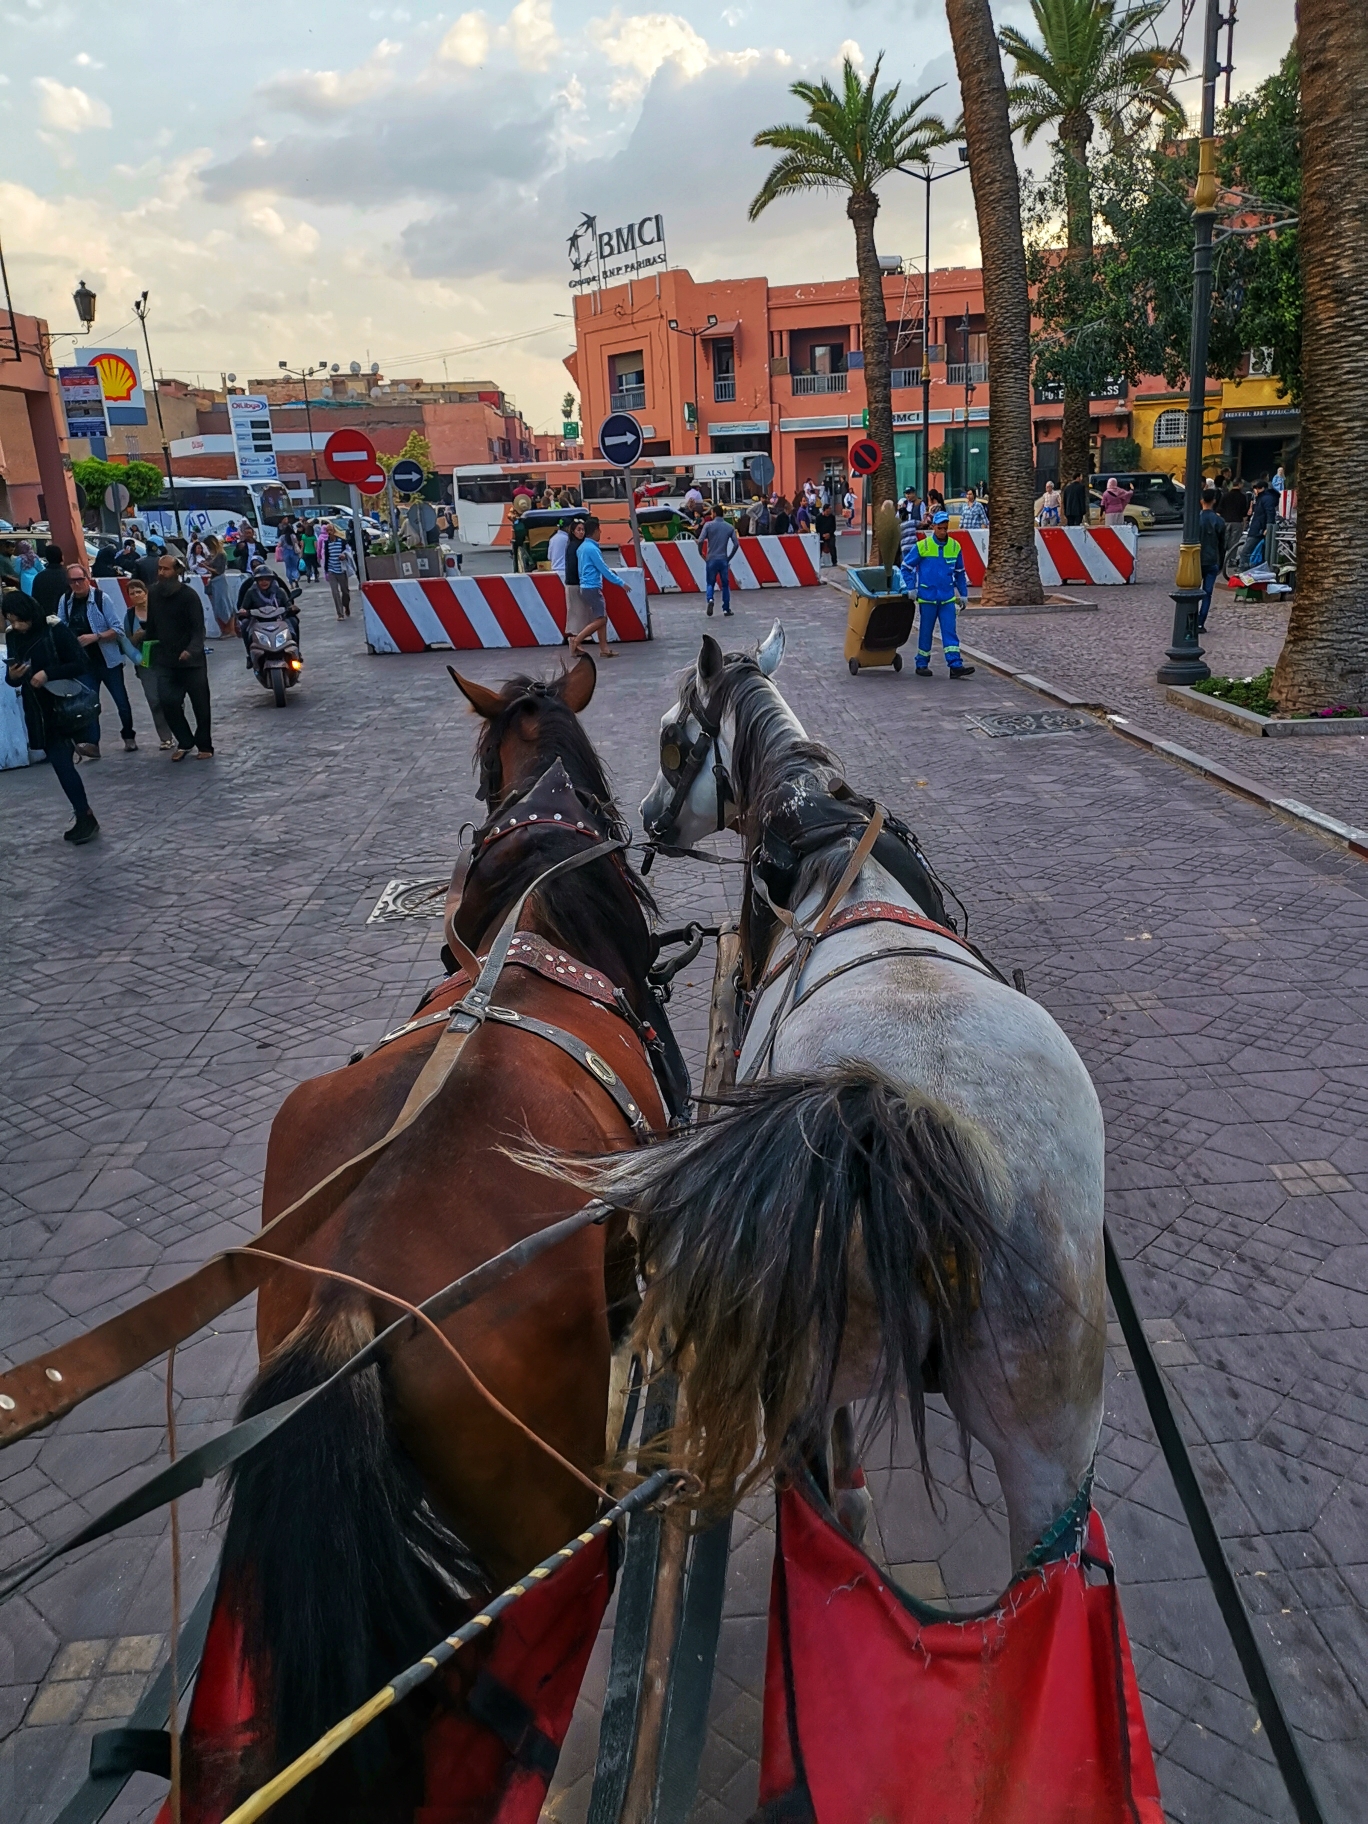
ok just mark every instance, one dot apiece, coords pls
pixel 84 61
pixel 529 32
pixel 321 93
pixel 850 49
pixel 68 110
pixel 467 43
pixel 643 43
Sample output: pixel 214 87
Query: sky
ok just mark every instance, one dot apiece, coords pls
pixel 396 184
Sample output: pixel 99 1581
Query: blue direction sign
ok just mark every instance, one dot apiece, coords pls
pixel 408 476
pixel 620 439
pixel 761 470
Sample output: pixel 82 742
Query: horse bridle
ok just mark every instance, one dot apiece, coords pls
pixel 681 761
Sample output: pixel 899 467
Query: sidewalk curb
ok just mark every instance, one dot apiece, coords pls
pixel 1355 840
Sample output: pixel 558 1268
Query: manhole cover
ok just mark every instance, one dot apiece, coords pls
pixel 1038 722
pixel 410 899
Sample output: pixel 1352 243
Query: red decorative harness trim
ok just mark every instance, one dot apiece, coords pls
pixel 866 912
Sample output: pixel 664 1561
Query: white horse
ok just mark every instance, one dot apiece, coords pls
pixel 907 1193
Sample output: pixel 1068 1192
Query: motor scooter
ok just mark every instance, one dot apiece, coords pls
pixel 273 653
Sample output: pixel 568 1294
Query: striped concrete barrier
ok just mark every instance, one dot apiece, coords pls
pixel 211 626
pixel 1093 555
pixel 787 561
pixel 468 613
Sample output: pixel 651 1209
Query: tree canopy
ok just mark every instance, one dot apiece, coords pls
pixel 144 480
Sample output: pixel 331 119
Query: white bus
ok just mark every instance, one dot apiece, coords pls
pixel 484 493
pixel 207 504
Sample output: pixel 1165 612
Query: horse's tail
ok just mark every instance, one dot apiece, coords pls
pixel 340 1572
pixel 748 1227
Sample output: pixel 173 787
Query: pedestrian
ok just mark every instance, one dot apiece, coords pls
pixel 96 615
pixel 220 590
pixel 935 503
pixel 591 607
pixel 287 553
pixel 826 532
pixel 781 519
pixel 522 555
pixel 1212 547
pixel 557 548
pixel 935 570
pixel 1263 511
pixel 175 621
pixel 720 544
pixel 849 505
pixel 26 566
pixel 249 549
pixel 106 559
pixel 1233 506
pixel 693 501
pixel 38 658
pixel 1049 510
pixel 49 584
pixel 135 630
pixel 1115 500
pixel 974 516
pixel 1076 501
pixel 308 550
pixel 339 566
pixel 126 557
pixel 1279 484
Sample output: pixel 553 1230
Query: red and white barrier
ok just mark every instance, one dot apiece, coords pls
pixel 212 630
pixel 468 613
pixel 788 561
pixel 1096 555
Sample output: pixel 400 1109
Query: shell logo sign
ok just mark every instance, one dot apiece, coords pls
pixel 120 382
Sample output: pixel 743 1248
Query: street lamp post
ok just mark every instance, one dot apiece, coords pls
pixel 1185 664
pixel 694 334
pixel 929 177
pixel 140 309
pixel 304 375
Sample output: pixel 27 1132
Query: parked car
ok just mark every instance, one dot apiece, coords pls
pixel 1135 514
pixel 1153 489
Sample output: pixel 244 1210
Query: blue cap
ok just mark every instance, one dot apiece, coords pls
pixel 941 518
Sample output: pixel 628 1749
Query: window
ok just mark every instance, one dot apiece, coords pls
pixel 484 493
pixel 1170 430
pixel 627 381
pixel 604 487
pixel 826 358
pixel 1261 363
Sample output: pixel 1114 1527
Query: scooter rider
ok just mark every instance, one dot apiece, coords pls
pixel 934 568
pixel 267 596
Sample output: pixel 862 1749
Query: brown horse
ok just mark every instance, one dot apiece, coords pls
pixel 361 1536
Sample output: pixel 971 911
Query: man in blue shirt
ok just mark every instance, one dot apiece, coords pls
pixel 1212 529
pixel 934 569
pixel 586 606
pixel 719 544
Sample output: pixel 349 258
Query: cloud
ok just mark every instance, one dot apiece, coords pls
pixel 529 32
pixel 645 42
pixel 83 60
pixel 319 94
pixel 69 110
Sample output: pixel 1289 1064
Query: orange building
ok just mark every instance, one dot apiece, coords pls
pixel 739 364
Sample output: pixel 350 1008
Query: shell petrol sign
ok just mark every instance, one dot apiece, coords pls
pixel 120 382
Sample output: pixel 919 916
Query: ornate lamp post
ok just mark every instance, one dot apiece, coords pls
pixel 928 176
pixel 84 300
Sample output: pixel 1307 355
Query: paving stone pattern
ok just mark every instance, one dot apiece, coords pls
pixel 170 983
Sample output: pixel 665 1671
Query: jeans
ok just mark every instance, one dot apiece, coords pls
pixel 716 571
pixel 341 594
pixel 1208 584
pixel 944 614
pixel 112 677
pixel 64 765
pixel 291 568
pixel 175 683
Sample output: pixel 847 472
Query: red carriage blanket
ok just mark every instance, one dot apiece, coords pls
pixel 874 1710
pixel 488 1753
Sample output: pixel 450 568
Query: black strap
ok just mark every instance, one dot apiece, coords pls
pixel 585 1056
pixel 505 1713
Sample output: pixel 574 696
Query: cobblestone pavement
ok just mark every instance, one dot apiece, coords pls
pixel 171 982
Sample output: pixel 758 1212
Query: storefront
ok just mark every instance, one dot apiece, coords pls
pixel 1260 438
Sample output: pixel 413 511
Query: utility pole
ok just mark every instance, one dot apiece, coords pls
pixel 929 177
pixel 694 334
pixel 140 308
pixel 1185 664
pixel 303 375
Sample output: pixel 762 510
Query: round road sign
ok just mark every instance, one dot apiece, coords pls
pixel 349 457
pixel 116 497
pixel 408 476
pixel 865 456
pixel 620 439
pixel 761 470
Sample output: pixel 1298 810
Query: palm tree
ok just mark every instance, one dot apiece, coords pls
pixel 1324 661
pixel 851 142
pixel 1013 573
pixel 1090 62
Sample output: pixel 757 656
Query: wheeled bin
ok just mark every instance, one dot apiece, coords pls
pixel 880 619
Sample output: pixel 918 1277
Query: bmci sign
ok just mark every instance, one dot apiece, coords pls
pixel 600 255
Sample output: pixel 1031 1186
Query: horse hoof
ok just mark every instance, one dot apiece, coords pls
pixel 854 1507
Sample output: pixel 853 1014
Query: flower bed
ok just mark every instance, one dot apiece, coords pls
pixel 1253 693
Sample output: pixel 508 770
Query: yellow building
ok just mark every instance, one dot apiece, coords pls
pixel 1250 425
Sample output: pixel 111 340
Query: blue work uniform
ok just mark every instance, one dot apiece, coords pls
pixel 934 571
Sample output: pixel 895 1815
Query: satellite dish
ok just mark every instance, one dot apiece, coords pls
pixel 375 367
pixel 356 367
pixel 334 367
pixel 232 377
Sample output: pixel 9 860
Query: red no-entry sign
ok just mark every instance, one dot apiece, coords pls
pixel 865 456
pixel 349 457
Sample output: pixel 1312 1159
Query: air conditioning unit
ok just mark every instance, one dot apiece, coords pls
pixel 1261 364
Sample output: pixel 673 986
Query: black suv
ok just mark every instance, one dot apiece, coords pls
pixel 1155 490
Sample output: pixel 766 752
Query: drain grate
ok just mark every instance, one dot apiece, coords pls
pixel 1038 722
pixel 410 899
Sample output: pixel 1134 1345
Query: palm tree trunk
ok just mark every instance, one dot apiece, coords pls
pixel 1013 572
pixel 862 206
pixel 1324 659
pixel 1075 456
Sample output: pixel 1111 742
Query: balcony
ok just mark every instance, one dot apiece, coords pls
pixel 903 377
pixel 724 389
pixel 966 373
pixel 818 383
pixel 628 399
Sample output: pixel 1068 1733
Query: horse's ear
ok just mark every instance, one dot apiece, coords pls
pixel 710 665
pixel 771 650
pixel 576 686
pixel 482 700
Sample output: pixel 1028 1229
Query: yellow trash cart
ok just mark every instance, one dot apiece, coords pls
pixel 880 619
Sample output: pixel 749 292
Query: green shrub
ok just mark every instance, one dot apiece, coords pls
pixel 1247 693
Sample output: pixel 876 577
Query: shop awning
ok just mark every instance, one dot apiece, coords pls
pixel 1268 421
pixel 721 332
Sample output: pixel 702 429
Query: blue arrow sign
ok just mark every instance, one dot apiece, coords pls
pixel 620 439
pixel 408 476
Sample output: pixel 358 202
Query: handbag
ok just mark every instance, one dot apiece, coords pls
pixel 75 704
